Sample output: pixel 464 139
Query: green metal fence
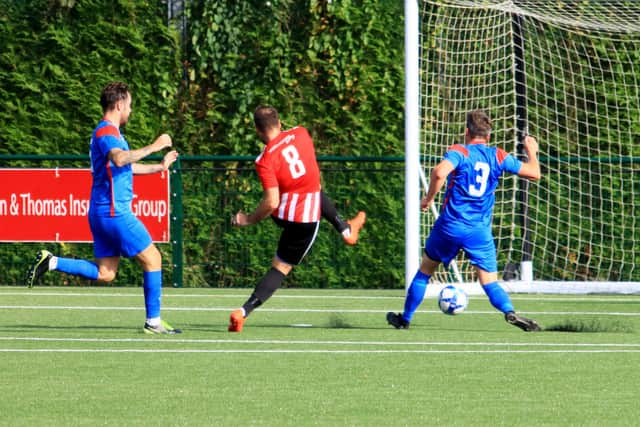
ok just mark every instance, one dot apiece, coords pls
pixel 206 251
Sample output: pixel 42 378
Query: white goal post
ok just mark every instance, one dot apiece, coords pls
pixel 567 73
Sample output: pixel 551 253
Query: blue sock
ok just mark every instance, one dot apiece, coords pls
pixel 152 286
pixel 78 267
pixel 498 297
pixel 415 295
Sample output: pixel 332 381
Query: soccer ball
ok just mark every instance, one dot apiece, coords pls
pixel 452 300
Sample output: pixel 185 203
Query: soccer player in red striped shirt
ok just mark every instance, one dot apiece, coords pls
pixel 292 196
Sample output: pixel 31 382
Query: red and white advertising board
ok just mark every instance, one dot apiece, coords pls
pixel 51 205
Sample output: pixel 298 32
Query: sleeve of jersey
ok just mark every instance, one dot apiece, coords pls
pixel 108 143
pixel 266 173
pixel 508 162
pixel 108 138
pixel 454 156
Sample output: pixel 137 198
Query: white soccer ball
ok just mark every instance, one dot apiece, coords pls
pixel 452 300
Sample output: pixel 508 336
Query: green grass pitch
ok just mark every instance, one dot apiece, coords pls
pixel 77 356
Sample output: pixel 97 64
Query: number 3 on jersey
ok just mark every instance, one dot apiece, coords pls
pixel 291 156
pixel 482 176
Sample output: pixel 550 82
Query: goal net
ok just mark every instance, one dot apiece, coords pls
pixel 567 73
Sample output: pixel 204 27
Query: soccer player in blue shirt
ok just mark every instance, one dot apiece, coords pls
pixel 115 229
pixel 473 170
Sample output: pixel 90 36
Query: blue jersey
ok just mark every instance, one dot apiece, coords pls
pixel 112 188
pixel 470 193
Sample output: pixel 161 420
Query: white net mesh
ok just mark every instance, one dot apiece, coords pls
pixel 581 62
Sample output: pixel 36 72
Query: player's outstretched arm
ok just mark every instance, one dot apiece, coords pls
pixel 531 168
pixel 123 157
pixel 144 169
pixel 269 203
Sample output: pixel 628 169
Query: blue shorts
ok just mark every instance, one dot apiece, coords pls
pixel 444 243
pixel 122 235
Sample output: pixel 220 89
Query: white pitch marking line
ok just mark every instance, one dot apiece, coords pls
pixel 307 310
pixel 170 294
pixel 314 342
pixel 69 350
pixel 210 295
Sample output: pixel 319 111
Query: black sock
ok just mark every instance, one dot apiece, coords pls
pixel 330 213
pixel 263 291
pixel 252 303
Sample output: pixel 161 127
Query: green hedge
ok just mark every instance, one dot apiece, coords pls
pixel 335 68
pixel 55 57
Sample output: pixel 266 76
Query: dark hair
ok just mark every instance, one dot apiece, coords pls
pixel 479 124
pixel 265 118
pixel 112 93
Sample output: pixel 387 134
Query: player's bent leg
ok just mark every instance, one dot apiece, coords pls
pixel 355 225
pixel 282 266
pixel 428 266
pixel 151 261
pixel 263 291
pixel 268 285
pixel 350 229
pixel 107 268
pixel 501 301
pixel 150 258
pixel 295 242
pixel 498 297
pixel 415 294
pixel 330 213
pixel 76 267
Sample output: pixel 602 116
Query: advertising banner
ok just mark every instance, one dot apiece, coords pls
pixel 51 205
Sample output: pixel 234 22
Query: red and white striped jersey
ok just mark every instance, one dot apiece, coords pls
pixel 289 162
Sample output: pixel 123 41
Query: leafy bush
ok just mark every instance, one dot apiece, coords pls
pixel 335 68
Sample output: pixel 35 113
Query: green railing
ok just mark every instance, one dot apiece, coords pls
pixel 206 251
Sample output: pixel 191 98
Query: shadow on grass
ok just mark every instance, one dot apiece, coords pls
pixel 333 323
pixel 591 325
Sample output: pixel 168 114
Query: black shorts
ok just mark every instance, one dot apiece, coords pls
pixel 295 240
